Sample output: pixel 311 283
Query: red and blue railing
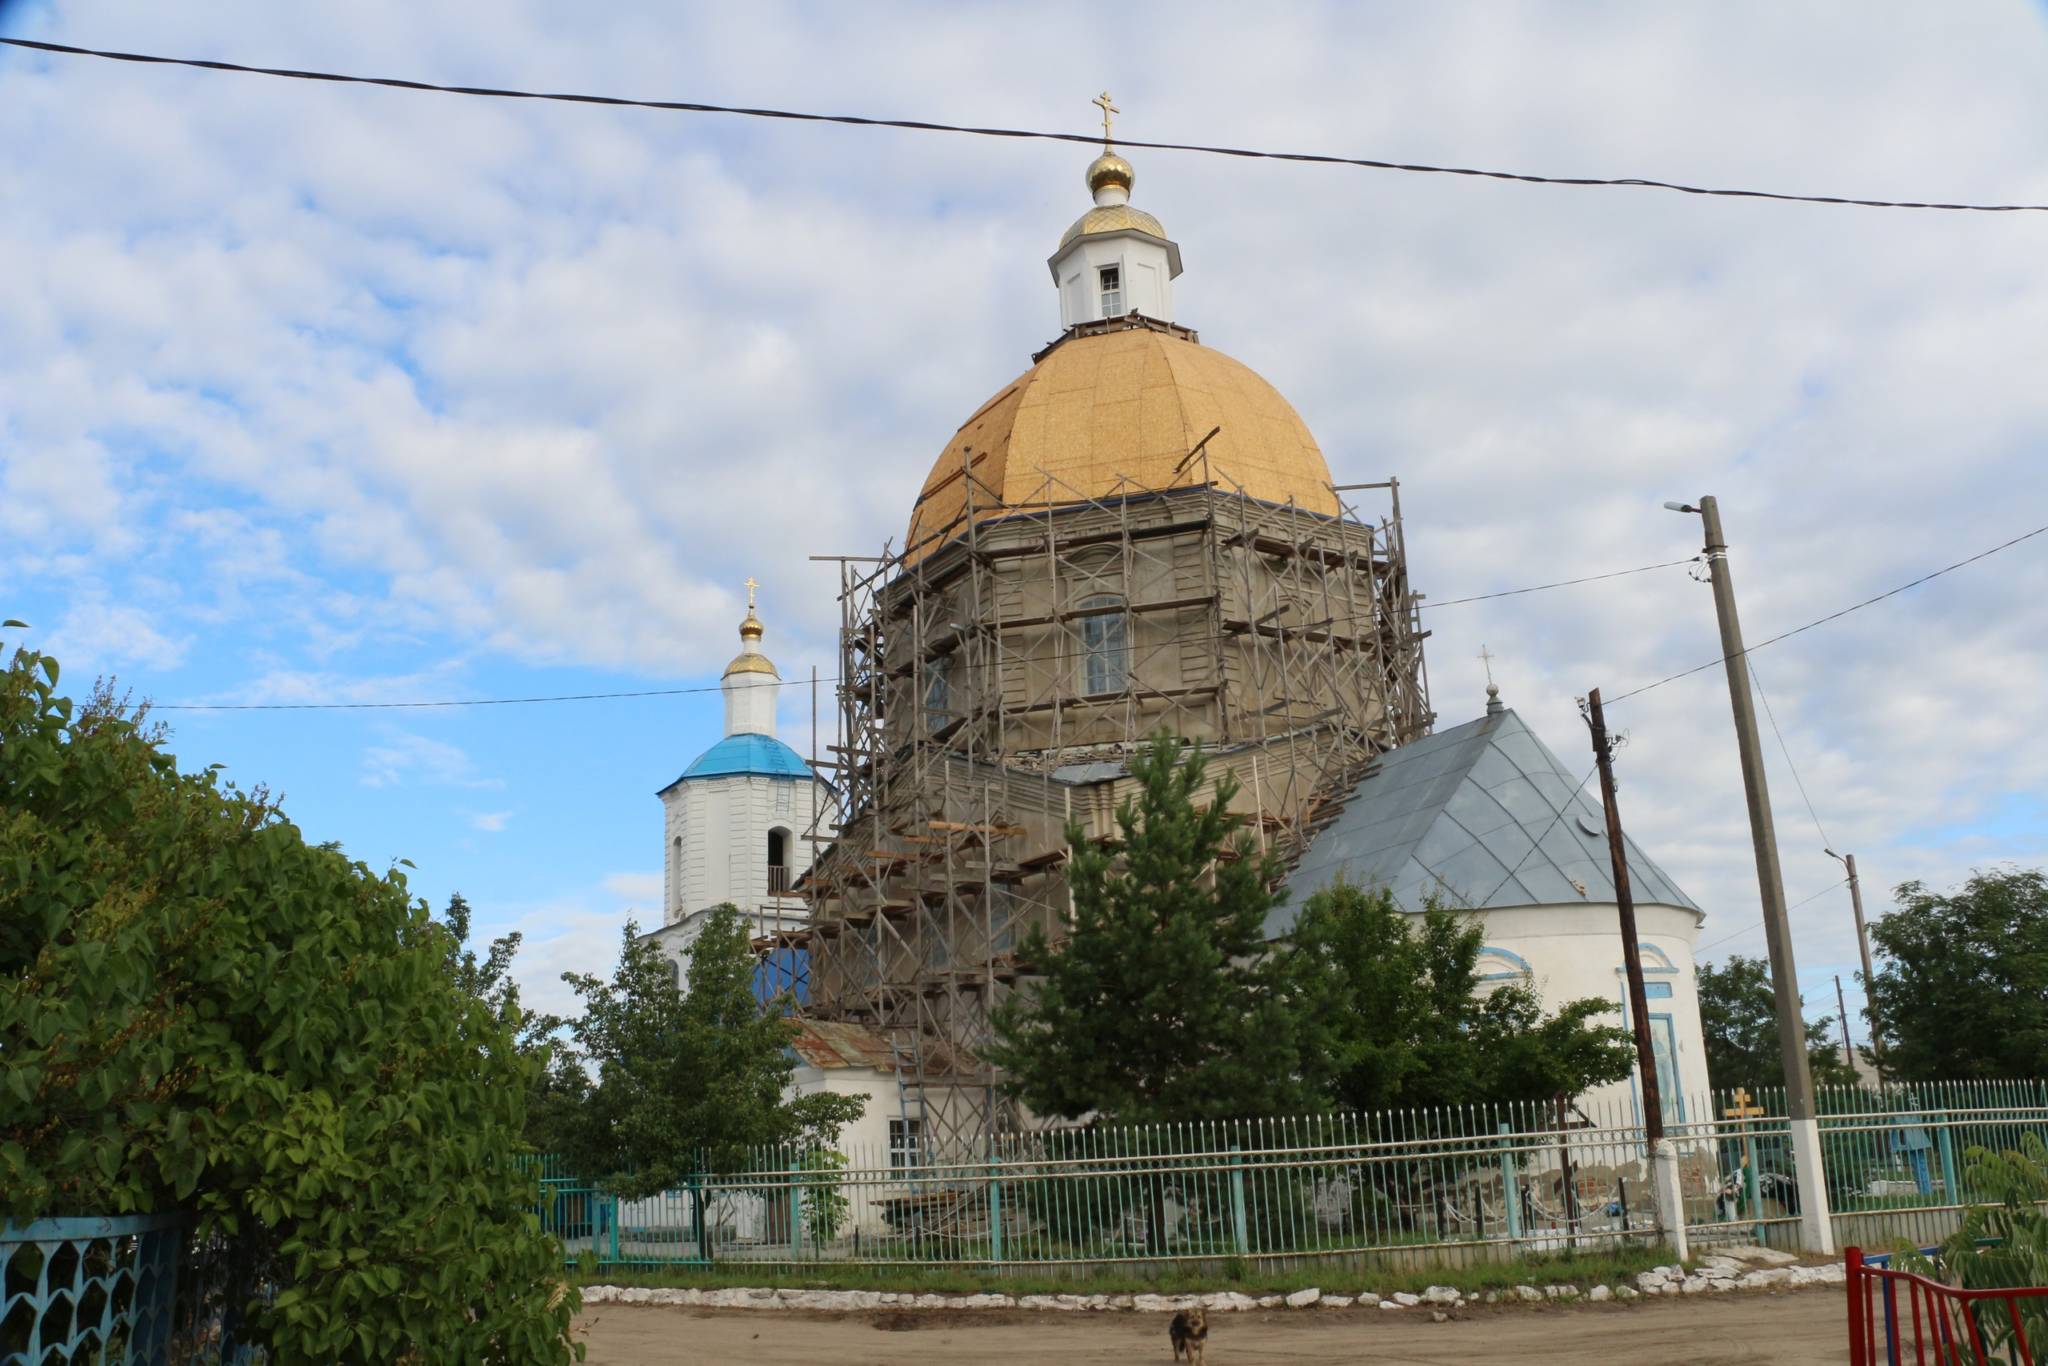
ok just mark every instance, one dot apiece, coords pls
pixel 1901 1318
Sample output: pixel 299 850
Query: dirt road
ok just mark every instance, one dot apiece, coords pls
pixel 1802 1328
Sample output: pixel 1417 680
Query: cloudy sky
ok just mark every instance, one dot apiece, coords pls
pixel 343 394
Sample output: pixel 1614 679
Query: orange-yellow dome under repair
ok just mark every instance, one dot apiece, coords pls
pixel 1113 413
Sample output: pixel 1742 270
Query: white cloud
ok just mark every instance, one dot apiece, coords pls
pixel 492 822
pixel 405 757
pixel 639 889
pixel 541 384
pixel 104 637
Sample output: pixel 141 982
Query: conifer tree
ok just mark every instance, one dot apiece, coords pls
pixel 1160 1003
pixel 688 1080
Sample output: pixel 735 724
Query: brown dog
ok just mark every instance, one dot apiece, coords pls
pixel 1189 1330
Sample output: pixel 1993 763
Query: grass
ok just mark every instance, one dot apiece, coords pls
pixel 1339 1276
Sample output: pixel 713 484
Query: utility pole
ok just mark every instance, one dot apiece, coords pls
pixel 1848 861
pixel 1624 900
pixel 1842 1009
pixel 1665 1195
pixel 1816 1226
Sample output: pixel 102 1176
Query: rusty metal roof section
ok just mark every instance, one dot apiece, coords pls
pixel 836 1044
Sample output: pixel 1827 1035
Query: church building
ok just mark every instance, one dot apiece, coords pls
pixel 1137 533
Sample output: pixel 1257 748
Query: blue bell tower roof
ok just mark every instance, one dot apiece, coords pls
pixel 747 754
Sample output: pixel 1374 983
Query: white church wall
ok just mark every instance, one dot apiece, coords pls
pixel 715 839
pixel 750 703
pixel 675 826
pixel 1144 270
pixel 1573 951
pixel 866 1140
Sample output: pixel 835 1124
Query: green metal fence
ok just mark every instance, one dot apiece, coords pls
pixel 1449 1184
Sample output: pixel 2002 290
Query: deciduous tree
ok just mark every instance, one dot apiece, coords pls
pixel 688 1080
pixel 558 1088
pixel 1390 1013
pixel 1739 1016
pixel 201 1012
pixel 1963 990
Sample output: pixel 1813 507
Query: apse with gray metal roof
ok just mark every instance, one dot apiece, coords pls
pixel 1480 816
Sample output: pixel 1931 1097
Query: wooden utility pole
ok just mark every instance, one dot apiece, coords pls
pixel 1631 951
pixel 1802 1118
pixel 1842 1009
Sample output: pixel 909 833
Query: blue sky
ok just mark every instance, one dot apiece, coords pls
pixel 313 394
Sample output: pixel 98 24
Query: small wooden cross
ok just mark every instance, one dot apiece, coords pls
pixel 1741 1106
pixel 751 586
pixel 1108 109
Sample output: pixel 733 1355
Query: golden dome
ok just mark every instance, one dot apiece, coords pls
pixel 1117 411
pixel 1110 169
pixel 750 660
pixel 1111 218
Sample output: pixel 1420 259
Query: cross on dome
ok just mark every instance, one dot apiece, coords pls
pixel 1108 111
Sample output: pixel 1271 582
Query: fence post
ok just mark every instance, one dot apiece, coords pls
pixel 1949 1188
pixel 612 1206
pixel 1237 1223
pixel 995 1215
pixel 796 1214
pixel 1510 1186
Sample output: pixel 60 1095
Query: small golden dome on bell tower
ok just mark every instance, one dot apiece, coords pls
pixel 1110 169
pixel 750 659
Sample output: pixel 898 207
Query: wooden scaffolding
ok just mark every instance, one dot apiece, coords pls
pixel 991 688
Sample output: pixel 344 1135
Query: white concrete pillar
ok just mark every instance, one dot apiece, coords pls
pixel 1670 1199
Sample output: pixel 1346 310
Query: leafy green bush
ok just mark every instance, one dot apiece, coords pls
pixel 1999 1246
pixel 200 1011
pixel 825 1206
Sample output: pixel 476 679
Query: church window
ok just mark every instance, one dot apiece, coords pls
pixel 938 693
pixel 1112 292
pixel 675 876
pixel 1105 641
pixel 778 861
pixel 906 1140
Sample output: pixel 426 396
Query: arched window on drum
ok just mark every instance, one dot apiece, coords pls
pixel 1502 965
pixel 1105 644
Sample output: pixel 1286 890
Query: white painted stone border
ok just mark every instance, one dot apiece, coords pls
pixel 1724 1270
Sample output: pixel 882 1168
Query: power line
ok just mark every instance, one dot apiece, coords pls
pixel 1758 924
pixel 1786 750
pixel 928 126
pixel 684 692
pixel 1570 798
pixel 1832 616
pixel 1561 583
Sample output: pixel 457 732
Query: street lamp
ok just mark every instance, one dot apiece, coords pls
pixel 1815 1226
